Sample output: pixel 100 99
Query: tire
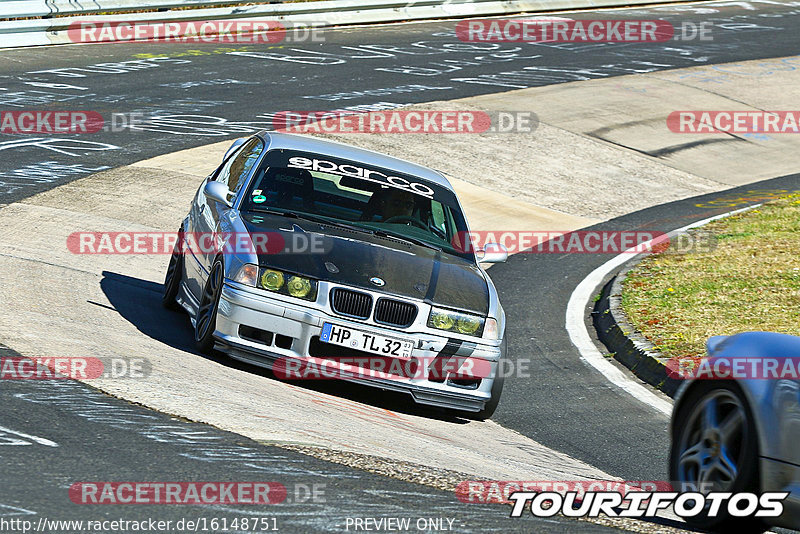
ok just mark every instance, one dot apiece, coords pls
pixel 497 390
pixel 715 440
pixel 172 280
pixel 206 319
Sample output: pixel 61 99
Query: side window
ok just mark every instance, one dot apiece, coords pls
pixel 437 213
pixel 450 223
pixel 240 164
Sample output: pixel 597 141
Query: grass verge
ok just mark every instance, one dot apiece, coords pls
pixel 750 280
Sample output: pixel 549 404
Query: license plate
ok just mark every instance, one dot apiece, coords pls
pixel 367 342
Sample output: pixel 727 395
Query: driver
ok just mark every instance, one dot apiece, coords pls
pixel 396 203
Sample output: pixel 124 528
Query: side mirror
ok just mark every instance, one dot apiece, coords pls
pixel 492 253
pixel 217 191
pixel 236 144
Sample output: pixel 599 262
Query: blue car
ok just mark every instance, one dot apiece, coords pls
pixel 740 431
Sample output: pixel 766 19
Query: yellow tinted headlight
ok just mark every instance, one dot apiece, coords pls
pixel 298 286
pixel 287 284
pixel 467 325
pixel 272 280
pixel 462 323
pixel 442 321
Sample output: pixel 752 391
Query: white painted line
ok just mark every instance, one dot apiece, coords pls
pixel 40 441
pixel 14 511
pixel 579 335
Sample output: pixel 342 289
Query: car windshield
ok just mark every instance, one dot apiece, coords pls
pixel 358 195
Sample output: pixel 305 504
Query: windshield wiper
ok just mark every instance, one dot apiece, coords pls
pixel 311 218
pixel 420 242
pixel 337 224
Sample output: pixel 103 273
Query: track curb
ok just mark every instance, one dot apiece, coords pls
pixel 628 345
pixel 622 338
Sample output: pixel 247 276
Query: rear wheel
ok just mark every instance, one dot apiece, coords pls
pixel 715 448
pixel 206 320
pixel 172 281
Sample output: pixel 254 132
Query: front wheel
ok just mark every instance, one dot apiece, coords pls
pixel 715 448
pixel 206 320
pixel 172 281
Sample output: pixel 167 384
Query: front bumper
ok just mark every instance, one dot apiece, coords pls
pixel 294 327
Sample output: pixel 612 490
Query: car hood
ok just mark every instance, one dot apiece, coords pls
pixel 352 258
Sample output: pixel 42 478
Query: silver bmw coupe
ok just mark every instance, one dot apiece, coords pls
pixel 321 260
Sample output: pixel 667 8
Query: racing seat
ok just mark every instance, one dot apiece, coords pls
pixel 373 206
pixel 292 188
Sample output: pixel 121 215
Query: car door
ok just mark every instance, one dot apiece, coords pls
pixel 233 174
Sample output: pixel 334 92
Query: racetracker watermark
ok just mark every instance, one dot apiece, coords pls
pixel 197 242
pixel 647 504
pixel 734 368
pixel 584 242
pixel 78 368
pixel 186 492
pixel 37 122
pixel 50 122
pixel 201 31
pixel 457 368
pixel 734 122
pixel 406 121
pixel 559 30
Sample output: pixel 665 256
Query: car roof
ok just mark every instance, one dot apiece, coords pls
pixel 340 150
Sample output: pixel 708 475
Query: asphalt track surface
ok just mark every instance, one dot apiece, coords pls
pixel 102 438
pixel 578 411
pixel 194 94
pixel 566 406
